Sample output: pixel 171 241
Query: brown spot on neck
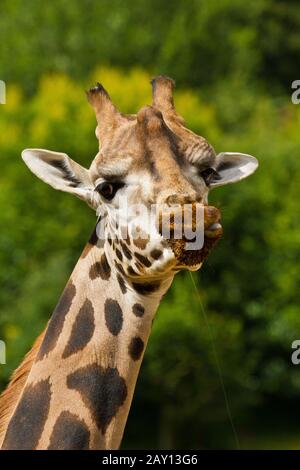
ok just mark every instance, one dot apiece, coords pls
pixel 122 283
pixel 28 421
pixel 102 390
pixel 146 288
pixel 57 320
pixel 113 316
pixel 126 250
pixel 82 330
pixel 100 269
pixel 10 396
pixel 135 348
pixel 156 254
pixel 143 259
pixel 138 310
pixel 69 433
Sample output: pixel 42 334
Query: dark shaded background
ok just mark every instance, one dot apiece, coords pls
pixel 234 62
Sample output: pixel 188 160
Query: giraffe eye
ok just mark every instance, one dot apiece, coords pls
pixel 108 190
pixel 209 174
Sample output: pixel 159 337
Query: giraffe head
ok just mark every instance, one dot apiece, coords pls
pixel 150 176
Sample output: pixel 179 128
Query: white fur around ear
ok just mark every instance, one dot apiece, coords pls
pixel 60 171
pixel 233 167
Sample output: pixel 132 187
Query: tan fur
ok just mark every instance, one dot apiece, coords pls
pixel 10 396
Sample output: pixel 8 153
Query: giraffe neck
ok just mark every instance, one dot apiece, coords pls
pixel 79 390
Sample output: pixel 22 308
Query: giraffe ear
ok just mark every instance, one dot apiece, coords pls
pixel 232 167
pixel 61 172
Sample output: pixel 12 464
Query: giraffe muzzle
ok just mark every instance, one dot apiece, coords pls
pixel 211 232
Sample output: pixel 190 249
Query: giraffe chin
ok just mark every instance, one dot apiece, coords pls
pixel 193 259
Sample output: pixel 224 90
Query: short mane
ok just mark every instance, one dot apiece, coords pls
pixel 9 398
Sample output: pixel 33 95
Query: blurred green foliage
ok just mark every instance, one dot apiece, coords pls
pixel 199 42
pixel 234 62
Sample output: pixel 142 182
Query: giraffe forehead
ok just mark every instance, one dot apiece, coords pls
pixel 149 143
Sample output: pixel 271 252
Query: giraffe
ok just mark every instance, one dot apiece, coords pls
pixel 75 387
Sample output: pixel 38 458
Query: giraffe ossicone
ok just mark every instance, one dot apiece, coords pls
pixel 74 389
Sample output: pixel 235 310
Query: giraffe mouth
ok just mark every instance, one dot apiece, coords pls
pixel 189 258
